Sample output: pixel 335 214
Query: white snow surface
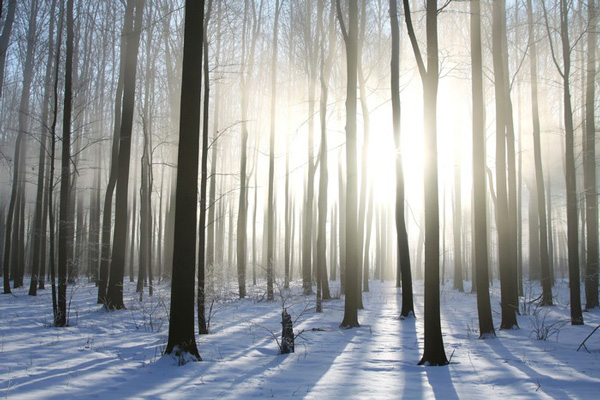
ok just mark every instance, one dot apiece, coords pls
pixel 118 354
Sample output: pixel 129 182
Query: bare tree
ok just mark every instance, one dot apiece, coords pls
pixel 5 38
pixel 506 248
pixel 201 295
pixel 114 293
pixel 182 342
pixel 403 270
pixel 570 172
pixel 434 353
pixel 484 309
pixel 65 178
pixel 591 195
pixel 539 172
pixel 352 289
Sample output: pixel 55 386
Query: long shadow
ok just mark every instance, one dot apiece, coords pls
pixel 543 381
pixel 441 382
pixel 248 370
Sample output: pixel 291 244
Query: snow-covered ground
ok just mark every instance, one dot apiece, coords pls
pixel 107 355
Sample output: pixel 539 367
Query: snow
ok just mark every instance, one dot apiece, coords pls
pixel 117 354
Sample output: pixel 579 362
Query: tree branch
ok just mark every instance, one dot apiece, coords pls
pixel 413 40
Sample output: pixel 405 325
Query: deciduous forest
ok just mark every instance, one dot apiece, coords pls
pixel 316 198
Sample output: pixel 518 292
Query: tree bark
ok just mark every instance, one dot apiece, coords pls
pixel 505 242
pixel 539 172
pixel 434 353
pixel 403 272
pixel 591 195
pixel 182 342
pixel 5 38
pixel 65 178
pixel 37 273
pixel 351 39
pixel 201 293
pixel 114 293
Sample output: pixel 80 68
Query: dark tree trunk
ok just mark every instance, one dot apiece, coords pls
pixel 201 294
pixel 246 76
pixel 544 261
pixel 182 342
pixel 50 183
pixel 572 229
pixel 271 195
pixel 434 353
pixel 211 229
pixel 114 165
pixel 403 272
pixel 37 272
pixel 457 220
pixel 591 195
pixel 326 65
pixel 342 224
pixel 5 38
pixel 534 236
pixel 114 293
pixel 508 280
pixel 351 39
pixel 65 178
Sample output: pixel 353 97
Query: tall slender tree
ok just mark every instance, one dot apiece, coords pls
pixel 37 274
pixel 351 213
pixel 506 250
pixel 403 270
pixel 65 178
pixel 5 38
pixel 247 71
pixel 271 195
pixel 484 309
pixel 570 170
pixel 326 65
pixel 182 342
pixel 201 295
pixel 539 172
pixel 114 164
pixel 114 293
pixel 591 192
pixel 434 353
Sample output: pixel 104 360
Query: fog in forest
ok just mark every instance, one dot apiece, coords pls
pixel 278 68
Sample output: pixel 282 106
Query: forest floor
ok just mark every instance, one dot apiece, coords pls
pixel 107 355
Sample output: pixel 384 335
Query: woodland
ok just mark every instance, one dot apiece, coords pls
pixel 387 185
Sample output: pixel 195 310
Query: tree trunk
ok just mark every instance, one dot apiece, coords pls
pixel 326 66
pixel 37 273
pixel 591 195
pixel 403 272
pixel 65 178
pixel 201 294
pixel 505 242
pixel 5 38
pixel 434 353
pixel 182 341
pixel 539 172
pixel 351 39
pixel 571 184
pixel 271 195
pixel 114 293
pixel 114 165
pixel 534 236
pixel 210 240
pixel 457 220
pixel 246 76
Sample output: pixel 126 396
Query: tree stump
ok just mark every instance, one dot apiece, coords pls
pixel 287 334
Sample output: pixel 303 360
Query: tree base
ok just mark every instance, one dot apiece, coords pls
pixel 438 361
pixel 184 355
pixel 349 324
